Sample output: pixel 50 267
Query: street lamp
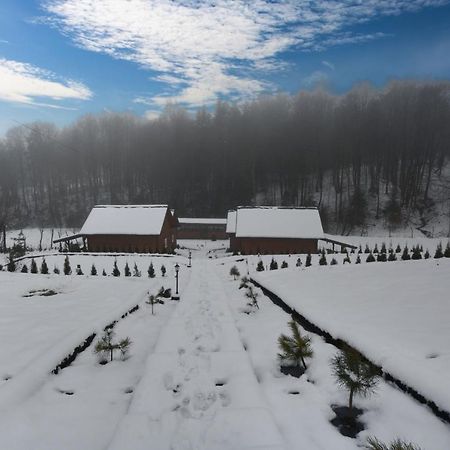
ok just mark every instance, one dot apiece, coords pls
pixel 190 258
pixel 176 296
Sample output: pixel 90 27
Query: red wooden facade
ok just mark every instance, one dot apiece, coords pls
pixel 267 246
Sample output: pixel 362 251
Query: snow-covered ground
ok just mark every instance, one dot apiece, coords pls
pixel 201 374
pixel 396 313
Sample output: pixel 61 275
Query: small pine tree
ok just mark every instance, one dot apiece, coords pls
pixel 416 253
pixel 252 295
pixel 323 259
pixel 370 258
pixel 405 255
pixel 79 271
pixel 44 267
pixel 447 250
pixel 67 269
pixel 24 269
pixel 127 271
pixel 104 273
pixel 347 260
pixel 260 266
pixel 367 249
pixel 427 254
pixel 375 249
pixel 298 263
pixel 333 262
pixel 359 249
pixel 11 266
pixel 398 249
pixel 93 270
pixel 358 260
pixel 397 444
pixel 106 345
pixel 381 257
pixel 392 257
pixel 308 260
pixel 273 265
pixel 55 270
pixel 136 271
pixel 33 267
pixel 294 349
pixel 163 270
pixel 116 271
pixel 284 265
pixel 151 271
pixel 439 253
pixel 383 248
pixel 354 373
pixel 234 272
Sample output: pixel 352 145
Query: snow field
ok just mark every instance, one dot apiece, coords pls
pixel 199 390
pixel 395 313
pixel 82 406
pixel 302 407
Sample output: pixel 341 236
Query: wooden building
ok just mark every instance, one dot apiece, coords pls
pixel 129 228
pixel 202 228
pixel 272 230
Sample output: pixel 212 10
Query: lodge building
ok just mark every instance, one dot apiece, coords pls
pixel 202 228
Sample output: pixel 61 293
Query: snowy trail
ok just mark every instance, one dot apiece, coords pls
pixel 199 390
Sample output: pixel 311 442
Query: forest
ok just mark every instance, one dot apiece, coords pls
pixel 387 145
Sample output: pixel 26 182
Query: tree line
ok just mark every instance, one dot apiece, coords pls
pixel 386 145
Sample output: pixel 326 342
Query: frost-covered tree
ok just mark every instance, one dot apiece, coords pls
pixel 106 345
pixel 44 267
pixel 381 257
pixel 375 249
pixel 405 255
pixel 367 249
pixel 383 248
pixel 392 257
pixel 67 269
pixel 33 267
pixel 244 282
pixel 127 271
pixel 427 254
pixel 252 296
pixel 260 266
pixel 397 444
pixel 151 271
pixel 354 373
pixel 308 260
pixel 163 270
pixel 136 271
pixel 93 270
pixel 294 349
pixel 79 270
pixel 24 269
pixel 234 272
pixel 416 254
pixel 284 265
pixel 439 253
pixel 323 259
pixel 116 271
pixel 273 264
pixel 398 249
pixel 370 258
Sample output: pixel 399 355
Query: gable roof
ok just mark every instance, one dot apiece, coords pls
pixel 278 222
pixel 231 221
pixel 125 219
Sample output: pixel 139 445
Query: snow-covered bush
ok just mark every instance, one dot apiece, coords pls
pixel 93 270
pixel 260 266
pixel 105 347
pixel 273 265
pixel 308 260
pixel 323 260
pixel 405 255
pixel 163 270
pixel 284 265
pixel 333 262
pixel 439 253
pixel 33 268
pixel 252 296
pixel 44 267
pixel 67 269
pixel 116 271
pixel 136 271
pixel 151 271
pixel 398 444
pixel 127 271
pixel 244 282
pixel 370 258
pixel 234 272
pixel 416 253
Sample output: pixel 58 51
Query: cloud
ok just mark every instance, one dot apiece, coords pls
pixel 152 114
pixel 4 41
pixel 328 64
pixel 315 78
pixel 204 49
pixel 27 84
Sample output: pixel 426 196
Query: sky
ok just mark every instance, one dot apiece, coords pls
pixel 61 59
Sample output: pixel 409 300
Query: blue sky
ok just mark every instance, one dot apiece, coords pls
pixel 60 59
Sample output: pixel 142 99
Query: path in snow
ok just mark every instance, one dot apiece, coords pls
pixel 199 390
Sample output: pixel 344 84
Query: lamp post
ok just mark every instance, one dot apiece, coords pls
pixel 190 259
pixel 176 296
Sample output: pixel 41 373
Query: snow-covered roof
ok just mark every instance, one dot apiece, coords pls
pixel 231 222
pixel 125 219
pixel 203 221
pixel 278 222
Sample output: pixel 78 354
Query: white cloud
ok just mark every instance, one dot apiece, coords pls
pixel 24 83
pixel 328 64
pixel 152 114
pixel 209 48
pixel 315 78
